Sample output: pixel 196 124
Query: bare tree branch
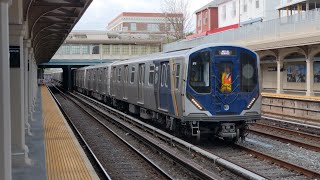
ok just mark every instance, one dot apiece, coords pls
pixel 177 16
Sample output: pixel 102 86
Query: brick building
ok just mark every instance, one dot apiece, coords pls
pixel 137 23
pixel 207 18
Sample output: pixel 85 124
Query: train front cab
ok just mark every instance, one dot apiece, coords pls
pixel 222 91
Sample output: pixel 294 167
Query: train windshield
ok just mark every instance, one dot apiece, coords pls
pixel 248 71
pixel 199 72
pixel 226 77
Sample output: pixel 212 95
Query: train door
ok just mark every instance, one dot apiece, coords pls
pixel 164 89
pixel 125 82
pixel 141 83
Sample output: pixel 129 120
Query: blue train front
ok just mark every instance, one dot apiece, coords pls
pixel 222 91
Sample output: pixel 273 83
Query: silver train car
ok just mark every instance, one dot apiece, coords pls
pixel 183 90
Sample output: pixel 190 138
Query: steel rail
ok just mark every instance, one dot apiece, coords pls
pixel 312 147
pixel 115 114
pixel 287 165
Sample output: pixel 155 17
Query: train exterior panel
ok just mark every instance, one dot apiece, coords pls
pixel 209 90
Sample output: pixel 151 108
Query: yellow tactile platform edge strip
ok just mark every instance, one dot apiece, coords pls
pixel 64 157
pixel 290 96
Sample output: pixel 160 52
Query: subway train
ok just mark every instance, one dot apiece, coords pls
pixel 207 91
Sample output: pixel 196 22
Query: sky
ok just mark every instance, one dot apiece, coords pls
pixel 100 12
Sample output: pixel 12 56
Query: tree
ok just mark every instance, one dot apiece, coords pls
pixel 177 17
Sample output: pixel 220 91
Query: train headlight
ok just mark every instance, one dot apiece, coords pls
pixel 195 102
pixel 252 102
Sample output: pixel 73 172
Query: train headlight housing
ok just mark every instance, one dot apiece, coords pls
pixel 253 100
pixel 195 102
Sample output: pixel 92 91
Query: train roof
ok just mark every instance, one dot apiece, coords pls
pixel 163 55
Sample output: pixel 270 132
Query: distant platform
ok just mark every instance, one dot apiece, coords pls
pixel 291 96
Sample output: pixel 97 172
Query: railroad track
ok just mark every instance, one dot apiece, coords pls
pixel 244 162
pixel 261 163
pixel 298 138
pixel 194 168
pixel 290 124
pixel 171 143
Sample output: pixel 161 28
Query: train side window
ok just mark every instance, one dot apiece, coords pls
pixel 199 72
pixel 151 74
pixel 119 74
pixel 177 75
pixel 133 69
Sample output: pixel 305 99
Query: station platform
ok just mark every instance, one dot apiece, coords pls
pixel 297 108
pixel 292 96
pixel 54 151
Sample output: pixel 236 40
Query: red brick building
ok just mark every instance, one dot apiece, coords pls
pixel 207 18
pixel 136 22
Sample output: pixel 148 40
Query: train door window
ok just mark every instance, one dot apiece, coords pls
pixel 225 77
pixel 167 76
pixel 163 75
pixel 177 75
pixel 199 73
pixel 100 75
pixel 114 72
pixel 126 74
pixel 133 70
pixel 141 73
pixel 119 74
pixel 151 74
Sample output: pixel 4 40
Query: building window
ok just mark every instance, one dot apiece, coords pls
pixel 245 5
pixel 143 49
pixel 95 49
pixel 133 26
pixel 133 70
pixel 154 49
pixel 85 49
pixel 151 74
pixel 153 27
pixel 106 49
pixel 75 49
pixel 257 4
pixel 199 20
pixel 224 12
pixel 116 49
pixel 205 18
pixel 234 8
pixel 125 50
pixel 134 50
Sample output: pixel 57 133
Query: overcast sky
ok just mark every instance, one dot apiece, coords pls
pixel 101 12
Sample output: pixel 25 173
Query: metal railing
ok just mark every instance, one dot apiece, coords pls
pixel 298 24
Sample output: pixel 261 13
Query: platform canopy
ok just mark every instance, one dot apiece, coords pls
pixel 49 23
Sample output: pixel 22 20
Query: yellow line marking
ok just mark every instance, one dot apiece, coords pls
pixel 63 157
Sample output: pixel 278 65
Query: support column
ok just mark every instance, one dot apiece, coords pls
pixel 310 79
pixel 26 45
pixel 17 92
pixel 279 76
pixel 5 115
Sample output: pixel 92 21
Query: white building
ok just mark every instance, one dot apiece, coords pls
pixel 250 11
